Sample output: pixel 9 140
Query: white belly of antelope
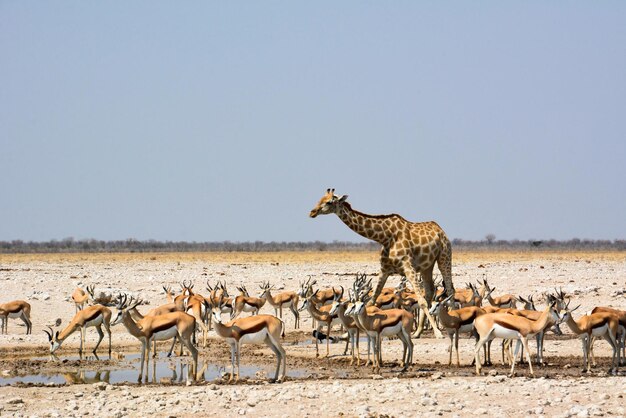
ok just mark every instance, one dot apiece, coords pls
pixel 96 321
pixel 254 338
pixel 502 332
pixel 249 308
pixel 15 314
pixel 596 332
pixel 466 328
pixel 394 330
pixel 166 334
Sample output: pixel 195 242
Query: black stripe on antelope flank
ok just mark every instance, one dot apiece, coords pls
pixel 506 325
pixel 93 316
pixel 163 327
pixel 394 323
pixel 601 324
pixel 468 321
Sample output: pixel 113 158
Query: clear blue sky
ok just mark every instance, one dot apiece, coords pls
pixel 213 121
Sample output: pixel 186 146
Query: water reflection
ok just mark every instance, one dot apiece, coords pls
pixel 163 370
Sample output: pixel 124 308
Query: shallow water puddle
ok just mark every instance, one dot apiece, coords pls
pixel 162 370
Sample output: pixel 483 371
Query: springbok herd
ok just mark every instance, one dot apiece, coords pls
pixel 473 310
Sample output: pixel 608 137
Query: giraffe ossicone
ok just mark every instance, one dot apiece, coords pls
pixel 409 249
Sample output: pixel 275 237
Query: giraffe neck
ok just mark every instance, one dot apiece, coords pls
pixel 376 228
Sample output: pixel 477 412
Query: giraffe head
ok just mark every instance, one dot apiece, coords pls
pixel 327 204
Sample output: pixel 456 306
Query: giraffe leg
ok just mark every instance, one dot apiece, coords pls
pixel 429 291
pixel 444 262
pixel 382 279
pixel 419 288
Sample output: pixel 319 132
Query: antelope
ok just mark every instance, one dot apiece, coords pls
pixel 158 328
pixel 214 295
pixel 105 299
pixel 500 325
pixel 392 297
pixel 159 310
pixel 92 316
pixel 410 303
pixel 621 315
pixel 322 297
pixel 280 301
pixel 339 308
pixel 169 294
pixel 245 303
pixel 391 322
pixel 504 301
pixel 323 317
pixel 529 303
pixel 456 322
pixel 464 297
pixel 534 315
pixel 257 329
pixel 80 297
pixel 599 324
pixel 15 309
pixel 193 302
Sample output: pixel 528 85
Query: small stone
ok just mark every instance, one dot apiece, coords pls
pixel 78 395
pixel 15 401
pixel 480 411
pixel 362 410
pixel 437 375
pixel 100 385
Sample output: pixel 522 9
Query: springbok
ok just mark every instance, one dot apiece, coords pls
pixel 80 297
pixel 246 303
pixel 504 301
pixel 599 324
pixel 390 322
pixel 455 322
pixel 323 317
pixel 15 309
pixel 159 328
pixel 502 325
pixel 621 315
pixel 92 316
pixel 280 301
pixel 257 329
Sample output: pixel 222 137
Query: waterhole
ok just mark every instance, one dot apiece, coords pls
pixel 161 370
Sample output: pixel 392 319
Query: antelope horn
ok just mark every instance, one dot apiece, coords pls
pixel 49 334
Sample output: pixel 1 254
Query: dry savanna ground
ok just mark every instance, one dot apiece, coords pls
pixel 315 386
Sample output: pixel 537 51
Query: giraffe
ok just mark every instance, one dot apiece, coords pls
pixel 409 249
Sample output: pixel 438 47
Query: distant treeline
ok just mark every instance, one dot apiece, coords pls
pixel 70 245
